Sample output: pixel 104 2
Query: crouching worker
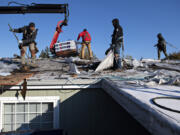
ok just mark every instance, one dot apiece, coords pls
pixel 117 43
pixel 86 41
pixel 29 35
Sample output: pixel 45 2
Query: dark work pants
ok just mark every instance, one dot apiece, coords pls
pixel 163 50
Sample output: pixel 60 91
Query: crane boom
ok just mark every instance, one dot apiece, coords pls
pixel 34 8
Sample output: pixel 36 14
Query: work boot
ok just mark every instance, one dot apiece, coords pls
pixel 118 63
pixel 33 65
pixel 118 70
pixel 33 61
pixel 91 58
pixel 24 68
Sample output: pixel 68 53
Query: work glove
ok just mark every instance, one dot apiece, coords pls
pixel 20 42
pixel 107 51
pixel 11 30
pixel 113 46
pixel 20 46
pixel 57 29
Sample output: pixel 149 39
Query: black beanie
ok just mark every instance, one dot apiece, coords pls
pixel 116 21
pixel 31 24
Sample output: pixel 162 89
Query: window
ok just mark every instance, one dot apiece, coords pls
pixel 33 113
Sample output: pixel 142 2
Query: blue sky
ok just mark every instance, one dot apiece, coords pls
pixel 140 19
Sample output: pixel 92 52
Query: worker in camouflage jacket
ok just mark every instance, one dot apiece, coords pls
pixel 29 36
pixel 161 46
pixel 117 43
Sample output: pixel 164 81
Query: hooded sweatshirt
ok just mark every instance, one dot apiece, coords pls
pixel 118 32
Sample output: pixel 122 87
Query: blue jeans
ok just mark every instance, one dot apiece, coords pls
pixel 117 47
pixel 117 59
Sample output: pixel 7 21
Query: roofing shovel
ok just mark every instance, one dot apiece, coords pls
pixel 18 41
pixel 171 45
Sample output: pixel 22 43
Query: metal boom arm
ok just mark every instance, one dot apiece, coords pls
pixel 34 8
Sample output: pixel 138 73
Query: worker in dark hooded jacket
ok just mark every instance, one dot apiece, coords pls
pixel 117 43
pixel 161 46
pixel 29 36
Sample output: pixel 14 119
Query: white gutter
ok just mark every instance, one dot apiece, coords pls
pixel 55 87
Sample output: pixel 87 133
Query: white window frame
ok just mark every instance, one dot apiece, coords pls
pixel 43 99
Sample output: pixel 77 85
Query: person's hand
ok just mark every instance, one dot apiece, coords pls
pixel 20 46
pixel 57 28
pixel 11 30
pixel 107 51
pixel 112 45
pixel 20 42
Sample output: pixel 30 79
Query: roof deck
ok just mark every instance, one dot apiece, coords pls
pixel 138 101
